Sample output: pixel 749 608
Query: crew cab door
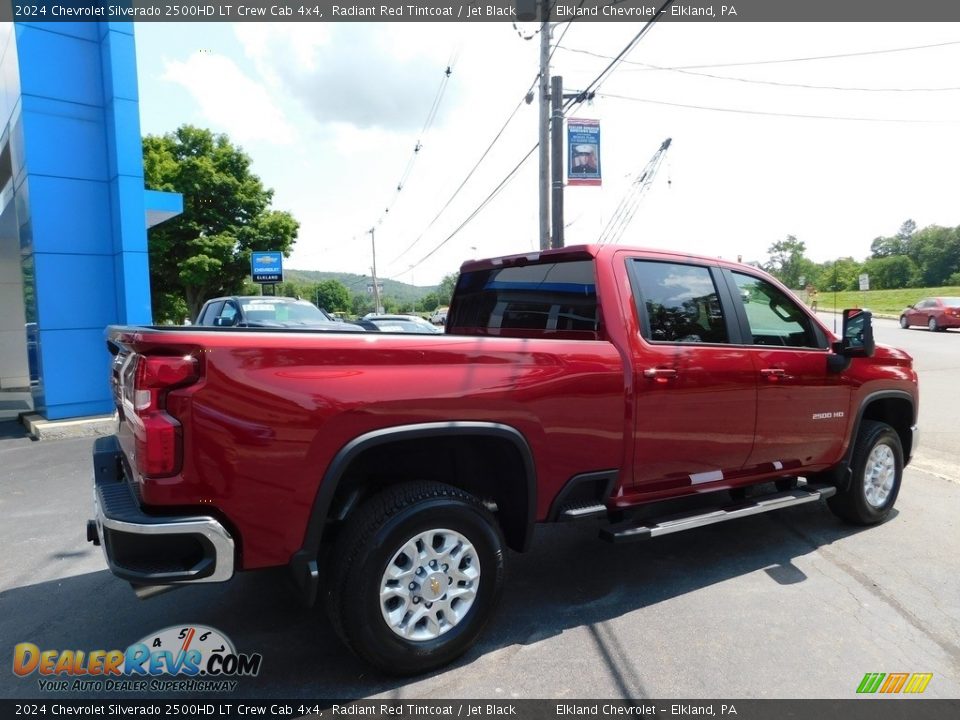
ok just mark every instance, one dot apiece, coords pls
pixel 694 388
pixel 802 407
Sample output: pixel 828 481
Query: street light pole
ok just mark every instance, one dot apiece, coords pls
pixel 376 287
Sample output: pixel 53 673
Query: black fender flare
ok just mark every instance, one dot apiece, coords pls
pixel 304 563
pixel 844 479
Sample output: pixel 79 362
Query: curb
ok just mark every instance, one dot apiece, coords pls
pixel 40 428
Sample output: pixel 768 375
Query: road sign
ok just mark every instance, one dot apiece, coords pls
pixel 864 281
pixel 266 267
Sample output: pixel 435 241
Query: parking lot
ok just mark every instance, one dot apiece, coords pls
pixel 791 604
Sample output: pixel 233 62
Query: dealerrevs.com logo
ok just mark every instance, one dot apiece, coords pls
pixel 893 683
pixel 179 658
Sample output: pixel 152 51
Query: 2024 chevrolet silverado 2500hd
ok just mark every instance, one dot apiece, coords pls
pixel 389 471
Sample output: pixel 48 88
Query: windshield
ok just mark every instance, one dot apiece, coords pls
pixel 283 312
pixel 403 325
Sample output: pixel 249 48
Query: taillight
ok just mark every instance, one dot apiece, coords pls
pixel 158 437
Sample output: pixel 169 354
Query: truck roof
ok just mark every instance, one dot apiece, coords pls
pixel 588 252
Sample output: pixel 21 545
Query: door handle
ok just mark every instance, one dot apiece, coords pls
pixel 773 374
pixel 660 374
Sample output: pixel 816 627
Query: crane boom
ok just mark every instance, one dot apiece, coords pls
pixel 627 208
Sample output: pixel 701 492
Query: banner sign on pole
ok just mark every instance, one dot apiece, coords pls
pixel 583 152
pixel 267 267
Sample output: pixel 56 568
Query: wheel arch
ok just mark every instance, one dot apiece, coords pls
pixel 893 407
pixel 491 460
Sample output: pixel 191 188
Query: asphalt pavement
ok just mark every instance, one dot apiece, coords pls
pixel 791 604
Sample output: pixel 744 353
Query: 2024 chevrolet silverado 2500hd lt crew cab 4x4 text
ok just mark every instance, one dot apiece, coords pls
pixel 388 471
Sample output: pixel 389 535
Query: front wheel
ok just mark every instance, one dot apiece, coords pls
pixel 415 577
pixel 877 472
pixel 904 323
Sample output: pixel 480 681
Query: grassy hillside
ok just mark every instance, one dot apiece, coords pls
pixel 357 284
pixel 883 301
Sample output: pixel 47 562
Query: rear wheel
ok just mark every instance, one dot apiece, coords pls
pixel 415 577
pixel 904 323
pixel 877 472
pixel 932 324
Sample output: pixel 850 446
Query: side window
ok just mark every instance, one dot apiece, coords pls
pixel 213 309
pixel 773 317
pixel 678 303
pixel 229 314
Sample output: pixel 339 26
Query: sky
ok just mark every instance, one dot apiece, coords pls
pixel 771 136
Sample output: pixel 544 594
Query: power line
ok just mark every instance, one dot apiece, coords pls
pixel 615 61
pixel 472 170
pixel 486 201
pixel 496 138
pixel 427 125
pixel 776 114
pixel 813 87
pixel 769 62
pixel 595 83
pixel 651 66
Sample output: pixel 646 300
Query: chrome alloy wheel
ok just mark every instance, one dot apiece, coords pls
pixel 879 475
pixel 429 585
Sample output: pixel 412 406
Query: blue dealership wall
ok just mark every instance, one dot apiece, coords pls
pixel 70 106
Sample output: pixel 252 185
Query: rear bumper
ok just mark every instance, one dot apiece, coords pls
pixel 151 549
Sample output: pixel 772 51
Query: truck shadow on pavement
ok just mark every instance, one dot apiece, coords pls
pixel 568 580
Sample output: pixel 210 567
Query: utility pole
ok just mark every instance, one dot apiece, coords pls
pixel 376 287
pixel 545 30
pixel 556 163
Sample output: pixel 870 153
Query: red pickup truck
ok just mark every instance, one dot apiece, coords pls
pixel 389 471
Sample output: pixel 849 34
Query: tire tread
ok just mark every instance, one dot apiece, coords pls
pixel 358 535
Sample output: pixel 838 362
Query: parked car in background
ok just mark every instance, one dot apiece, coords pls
pixel 266 311
pixel 398 323
pixel 938 313
pixel 439 316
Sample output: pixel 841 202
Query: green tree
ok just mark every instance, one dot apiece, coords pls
pixel 331 295
pixel 447 285
pixel 896 245
pixel 205 251
pixel 360 305
pixel 840 274
pixel 788 263
pixel 893 272
pixel 936 251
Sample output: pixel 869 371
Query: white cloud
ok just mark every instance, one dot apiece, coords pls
pixel 230 100
pixel 365 75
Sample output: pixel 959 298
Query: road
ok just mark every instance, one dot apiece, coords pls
pixel 792 604
pixel 937 360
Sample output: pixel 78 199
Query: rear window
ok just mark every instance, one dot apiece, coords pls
pixel 553 300
pixel 951 302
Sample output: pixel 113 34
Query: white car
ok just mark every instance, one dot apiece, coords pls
pixel 439 316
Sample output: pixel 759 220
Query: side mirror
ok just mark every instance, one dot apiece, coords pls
pixel 224 321
pixel 857 340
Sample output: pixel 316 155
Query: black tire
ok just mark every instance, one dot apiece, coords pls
pixel 904 323
pixel 853 504
pixel 784 484
pixel 375 537
pixel 932 325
